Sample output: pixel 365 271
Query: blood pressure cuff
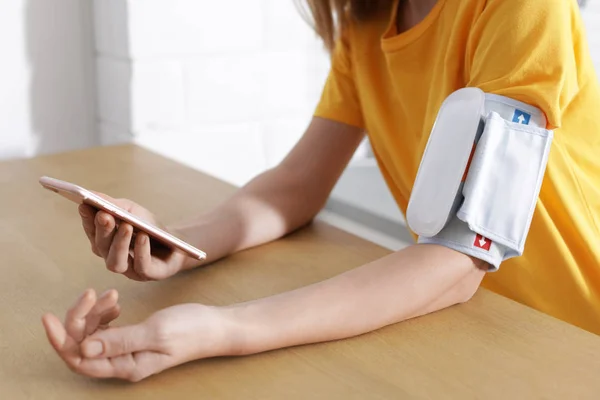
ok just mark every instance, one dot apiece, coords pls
pixel 480 176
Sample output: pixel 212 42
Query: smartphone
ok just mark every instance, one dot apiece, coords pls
pixel 80 195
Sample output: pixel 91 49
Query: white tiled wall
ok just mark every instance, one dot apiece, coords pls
pixel 225 87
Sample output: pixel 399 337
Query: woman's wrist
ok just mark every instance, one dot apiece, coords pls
pixel 238 331
pixel 220 329
pixel 207 234
pixel 184 261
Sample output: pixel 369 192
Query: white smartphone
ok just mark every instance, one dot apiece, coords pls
pixel 80 195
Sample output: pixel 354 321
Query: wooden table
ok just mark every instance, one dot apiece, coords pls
pixel 489 348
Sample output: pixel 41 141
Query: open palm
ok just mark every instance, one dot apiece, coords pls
pixel 89 346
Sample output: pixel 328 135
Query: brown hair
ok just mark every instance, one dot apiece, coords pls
pixel 330 17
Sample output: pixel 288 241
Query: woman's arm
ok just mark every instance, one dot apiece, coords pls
pixel 280 200
pixel 270 206
pixel 415 281
pixel 412 282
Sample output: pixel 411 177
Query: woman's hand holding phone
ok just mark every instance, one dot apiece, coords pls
pixel 134 256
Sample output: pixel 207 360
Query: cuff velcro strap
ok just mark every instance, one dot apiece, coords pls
pixel 504 180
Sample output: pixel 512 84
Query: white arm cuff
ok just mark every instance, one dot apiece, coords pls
pixel 489 214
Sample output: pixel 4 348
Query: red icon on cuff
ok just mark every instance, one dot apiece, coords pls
pixel 482 242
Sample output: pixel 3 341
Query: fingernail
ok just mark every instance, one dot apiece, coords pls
pixel 93 348
pixel 143 239
pixel 104 221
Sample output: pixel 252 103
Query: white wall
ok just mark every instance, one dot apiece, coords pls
pixel 47 78
pixel 226 87
pixel 591 18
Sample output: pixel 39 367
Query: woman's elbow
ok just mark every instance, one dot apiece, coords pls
pixel 468 286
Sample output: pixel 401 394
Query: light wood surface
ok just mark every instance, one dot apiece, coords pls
pixel 489 348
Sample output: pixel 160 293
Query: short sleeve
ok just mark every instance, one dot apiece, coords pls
pixel 339 99
pixel 526 50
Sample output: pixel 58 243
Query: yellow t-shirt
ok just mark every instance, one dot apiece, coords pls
pixel 392 85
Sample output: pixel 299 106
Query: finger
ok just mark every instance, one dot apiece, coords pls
pixel 118 254
pixel 102 321
pixel 114 342
pixel 105 231
pixel 88 215
pixel 57 335
pixel 75 320
pixel 105 304
pixel 142 260
pixel 55 331
pixel 131 274
pixel 109 316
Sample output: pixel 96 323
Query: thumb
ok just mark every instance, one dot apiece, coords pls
pixel 114 342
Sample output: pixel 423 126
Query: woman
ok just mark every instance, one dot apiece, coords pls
pixel 393 64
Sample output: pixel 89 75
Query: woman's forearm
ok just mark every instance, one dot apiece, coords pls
pixel 413 282
pixel 279 200
pixel 270 206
